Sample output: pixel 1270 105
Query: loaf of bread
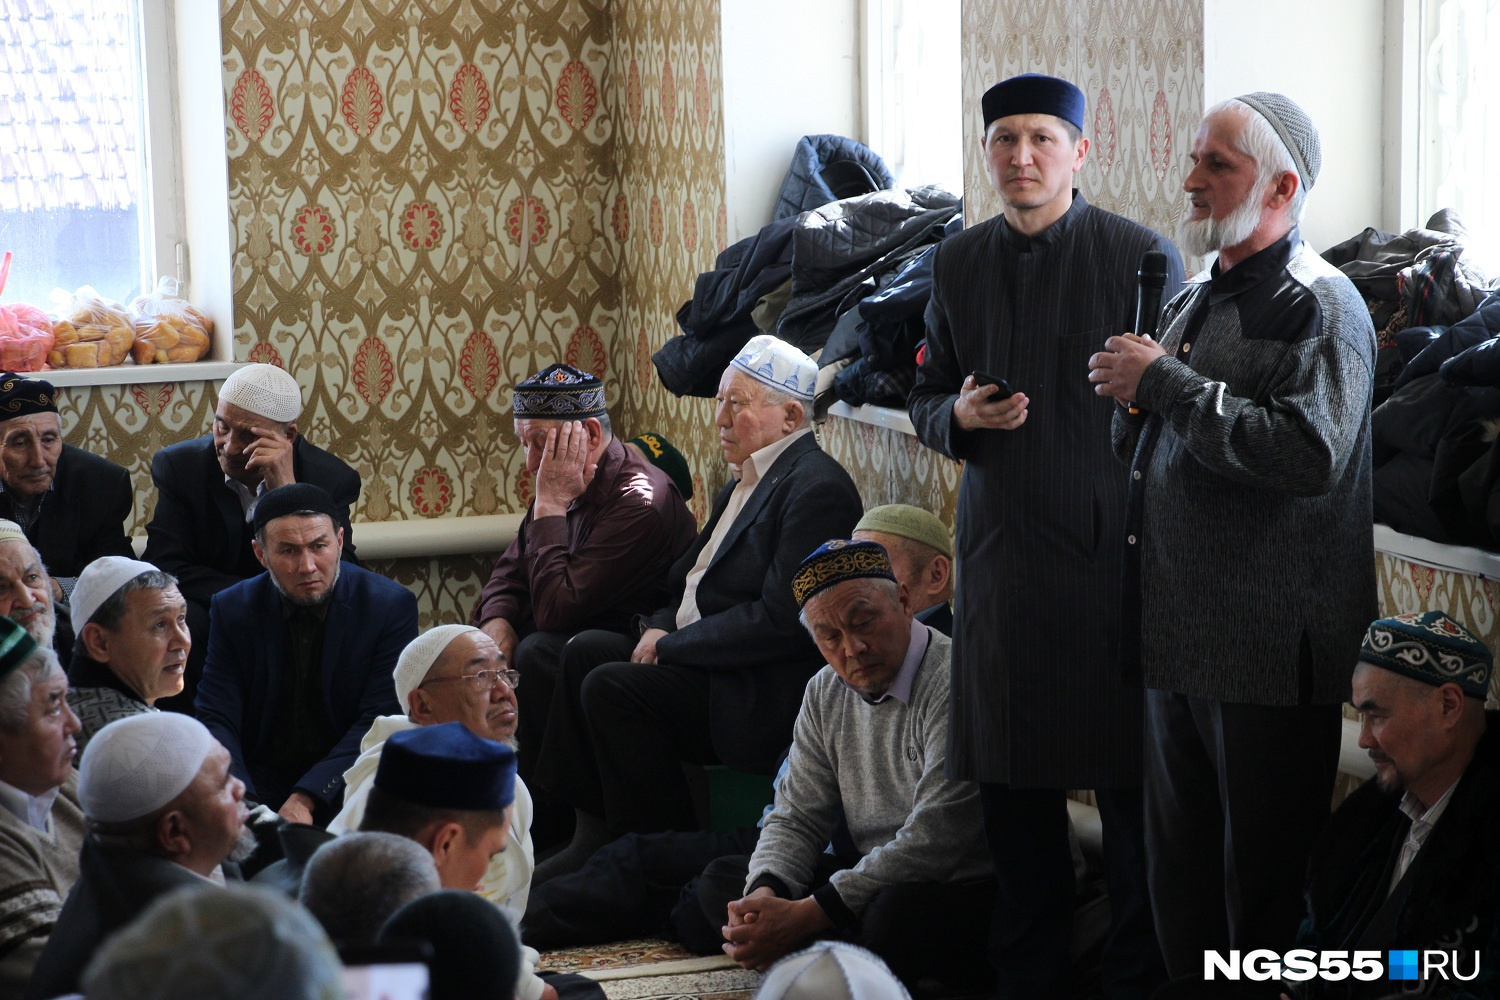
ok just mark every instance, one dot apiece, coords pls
pixel 95 333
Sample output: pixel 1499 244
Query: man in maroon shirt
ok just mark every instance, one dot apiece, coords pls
pixel 592 552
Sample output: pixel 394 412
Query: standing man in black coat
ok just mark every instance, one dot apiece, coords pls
pixel 1038 704
pixel 207 489
pixel 71 504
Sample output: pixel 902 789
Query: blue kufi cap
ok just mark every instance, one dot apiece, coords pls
pixel 447 767
pixel 1033 94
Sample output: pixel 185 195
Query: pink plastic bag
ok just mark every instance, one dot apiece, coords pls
pixel 25 332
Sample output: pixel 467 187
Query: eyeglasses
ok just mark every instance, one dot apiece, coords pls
pixel 484 680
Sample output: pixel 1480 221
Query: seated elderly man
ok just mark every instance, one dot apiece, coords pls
pixel 26 593
pixel 163 811
pixel 207 489
pixel 354 883
pixel 912 881
pixel 41 825
pixel 595 546
pixel 300 657
pixel 921 552
pixel 634 886
pixel 716 674
pixel 453 792
pixel 454 673
pixel 1409 860
pixel 132 642
pixel 71 504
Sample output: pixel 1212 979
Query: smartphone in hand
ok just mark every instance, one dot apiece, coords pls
pixel 980 378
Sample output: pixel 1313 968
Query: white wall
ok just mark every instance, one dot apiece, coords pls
pixel 791 68
pixel 1328 56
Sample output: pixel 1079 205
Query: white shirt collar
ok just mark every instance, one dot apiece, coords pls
pixel 33 810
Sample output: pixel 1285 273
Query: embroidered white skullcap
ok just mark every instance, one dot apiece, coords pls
pixel 135 765
pixel 239 941
pixel 265 390
pixel 419 656
pixel 831 970
pixel 779 365
pixel 10 531
pixel 99 581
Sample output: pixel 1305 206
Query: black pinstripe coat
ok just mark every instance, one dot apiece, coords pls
pixel 1037 700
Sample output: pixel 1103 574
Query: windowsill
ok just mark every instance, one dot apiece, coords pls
pixel 196 371
pixel 877 416
pixel 425 538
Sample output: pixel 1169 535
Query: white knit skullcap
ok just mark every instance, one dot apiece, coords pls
pixel 101 580
pixel 10 531
pixel 237 941
pixel 776 363
pixel 264 390
pixel 135 765
pixel 831 970
pixel 419 656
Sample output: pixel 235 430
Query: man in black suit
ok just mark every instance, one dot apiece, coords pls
pixel 716 676
pixel 207 489
pixel 71 504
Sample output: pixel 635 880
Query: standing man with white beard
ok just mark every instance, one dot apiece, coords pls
pixel 1249 567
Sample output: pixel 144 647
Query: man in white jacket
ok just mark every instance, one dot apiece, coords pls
pixel 456 673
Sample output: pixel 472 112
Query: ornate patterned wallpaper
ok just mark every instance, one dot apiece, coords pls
pixel 1406 587
pixel 432 199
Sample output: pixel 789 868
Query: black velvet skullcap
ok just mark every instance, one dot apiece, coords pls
pixel 21 396
pixel 1033 94
pixel 297 498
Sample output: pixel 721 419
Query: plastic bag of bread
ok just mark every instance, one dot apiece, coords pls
pixel 93 332
pixel 25 332
pixel 168 327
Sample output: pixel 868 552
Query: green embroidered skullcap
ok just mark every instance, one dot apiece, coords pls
pixel 15 646
pixel 906 521
pixel 559 392
pixel 660 453
pixel 836 561
pixel 1430 647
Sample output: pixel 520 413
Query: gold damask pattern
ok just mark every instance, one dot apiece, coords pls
pixel 889 466
pixel 430 200
pixel 1407 588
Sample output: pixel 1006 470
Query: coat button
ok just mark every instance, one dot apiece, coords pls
pixel 1136 474
pixel 1186 348
pixel 1130 539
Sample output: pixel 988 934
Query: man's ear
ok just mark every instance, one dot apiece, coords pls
pixel 172 835
pixel 1451 703
pixel 445 839
pixel 418 709
pixel 291 431
pixel 260 553
pixel 95 641
pixel 1283 189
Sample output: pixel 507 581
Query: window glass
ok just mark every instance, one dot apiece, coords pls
pixel 71 160
pixel 913 90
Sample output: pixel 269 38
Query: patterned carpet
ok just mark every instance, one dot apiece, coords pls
pixel 655 970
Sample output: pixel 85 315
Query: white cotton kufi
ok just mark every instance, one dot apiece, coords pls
pixel 779 365
pixel 419 656
pixel 831 970
pixel 10 531
pixel 265 390
pixel 134 766
pixel 99 581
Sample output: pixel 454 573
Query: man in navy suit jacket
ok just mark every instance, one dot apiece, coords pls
pixel 207 488
pixel 300 658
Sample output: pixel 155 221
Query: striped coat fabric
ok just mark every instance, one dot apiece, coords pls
pixel 1037 701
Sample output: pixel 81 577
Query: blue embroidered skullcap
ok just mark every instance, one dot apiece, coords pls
pixel 1430 647
pixel 1033 94
pixel 447 767
pixel 773 362
pixel 836 561
pixel 560 392
pixel 21 396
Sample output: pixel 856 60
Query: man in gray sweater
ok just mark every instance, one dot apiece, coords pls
pixel 912 880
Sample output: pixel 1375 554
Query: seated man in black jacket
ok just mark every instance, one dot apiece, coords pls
pixel 163 811
pixel 71 504
pixel 207 489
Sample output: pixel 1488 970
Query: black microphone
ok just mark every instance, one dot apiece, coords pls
pixel 1151 279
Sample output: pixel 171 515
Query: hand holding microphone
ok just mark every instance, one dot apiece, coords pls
pixel 1116 371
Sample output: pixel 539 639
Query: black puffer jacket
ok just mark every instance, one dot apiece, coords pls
pixel 822 169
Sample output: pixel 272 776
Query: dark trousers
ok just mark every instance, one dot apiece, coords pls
pixel 1031 929
pixel 923 930
pixel 564 763
pixel 1235 797
pixel 645 720
pixel 633 887
pixel 538 657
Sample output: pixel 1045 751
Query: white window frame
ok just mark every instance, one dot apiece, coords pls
pixel 178 45
pixel 875 89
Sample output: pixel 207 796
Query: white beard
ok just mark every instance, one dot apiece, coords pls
pixel 1201 237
